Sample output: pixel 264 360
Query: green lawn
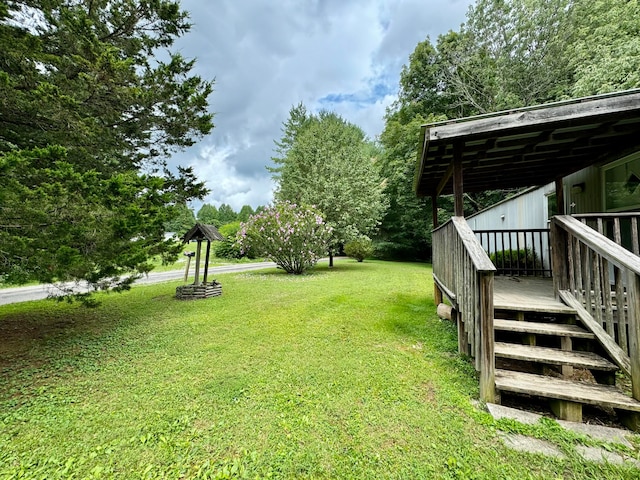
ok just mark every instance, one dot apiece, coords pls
pixel 345 373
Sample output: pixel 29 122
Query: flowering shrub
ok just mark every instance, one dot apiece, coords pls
pixel 292 236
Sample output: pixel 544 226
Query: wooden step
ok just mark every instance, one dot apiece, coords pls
pixel 557 329
pixel 553 356
pixel 555 388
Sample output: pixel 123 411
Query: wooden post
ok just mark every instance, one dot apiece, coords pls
pixel 434 209
pixel 633 318
pixel 463 342
pixel 560 196
pixel 566 410
pixel 196 280
pixel 206 262
pixel 437 293
pixel 566 344
pixel 186 270
pixel 559 261
pixel 487 357
pixel 457 180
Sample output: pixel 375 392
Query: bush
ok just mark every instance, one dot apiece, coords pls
pixel 292 236
pixel 228 248
pixel 385 250
pixel 515 261
pixel 360 248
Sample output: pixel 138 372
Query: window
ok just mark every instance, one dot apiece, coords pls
pixel 552 205
pixel 621 182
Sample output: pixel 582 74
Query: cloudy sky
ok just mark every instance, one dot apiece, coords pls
pixel 267 55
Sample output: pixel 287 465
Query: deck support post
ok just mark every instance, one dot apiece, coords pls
pixel 566 410
pixel 457 180
pixel 559 258
pixel 566 344
pixel 633 319
pixel 631 420
pixel 560 196
pixel 487 356
pixel 437 293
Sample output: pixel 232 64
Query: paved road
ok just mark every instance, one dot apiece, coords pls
pixel 38 292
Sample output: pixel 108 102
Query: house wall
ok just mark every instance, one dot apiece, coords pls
pixel 528 210
pixel 583 191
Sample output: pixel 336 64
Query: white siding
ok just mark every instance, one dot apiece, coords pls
pixel 528 210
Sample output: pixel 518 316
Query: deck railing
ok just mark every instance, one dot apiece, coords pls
pixel 621 227
pixel 601 280
pixel 518 252
pixel 463 271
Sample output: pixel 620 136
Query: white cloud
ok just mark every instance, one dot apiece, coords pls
pixel 266 56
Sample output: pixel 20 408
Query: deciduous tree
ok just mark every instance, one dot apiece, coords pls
pixel 331 165
pixel 605 49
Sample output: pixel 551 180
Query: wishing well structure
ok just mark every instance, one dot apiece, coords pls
pixel 200 289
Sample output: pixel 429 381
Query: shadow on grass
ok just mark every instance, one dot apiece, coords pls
pixel 341 266
pixel 414 316
pixel 48 339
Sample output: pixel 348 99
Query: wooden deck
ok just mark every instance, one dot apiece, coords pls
pixel 529 294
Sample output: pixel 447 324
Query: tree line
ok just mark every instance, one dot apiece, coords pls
pixel 185 217
pixel 507 54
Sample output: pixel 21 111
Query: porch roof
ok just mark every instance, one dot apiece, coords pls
pixel 528 146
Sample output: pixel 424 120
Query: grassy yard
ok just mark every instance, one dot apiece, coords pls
pixel 338 374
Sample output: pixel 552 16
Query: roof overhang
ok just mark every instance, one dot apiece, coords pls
pixel 529 146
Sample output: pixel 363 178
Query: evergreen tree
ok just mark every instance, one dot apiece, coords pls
pixel 226 214
pixel 245 212
pixel 208 214
pixel 89 115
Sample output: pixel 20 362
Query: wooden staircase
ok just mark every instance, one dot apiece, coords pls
pixel 550 355
pixel 560 337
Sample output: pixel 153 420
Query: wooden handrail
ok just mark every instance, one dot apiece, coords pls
pixel 606 215
pixel 463 270
pixel 601 280
pixel 478 256
pixel 619 227
pixel 606 248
